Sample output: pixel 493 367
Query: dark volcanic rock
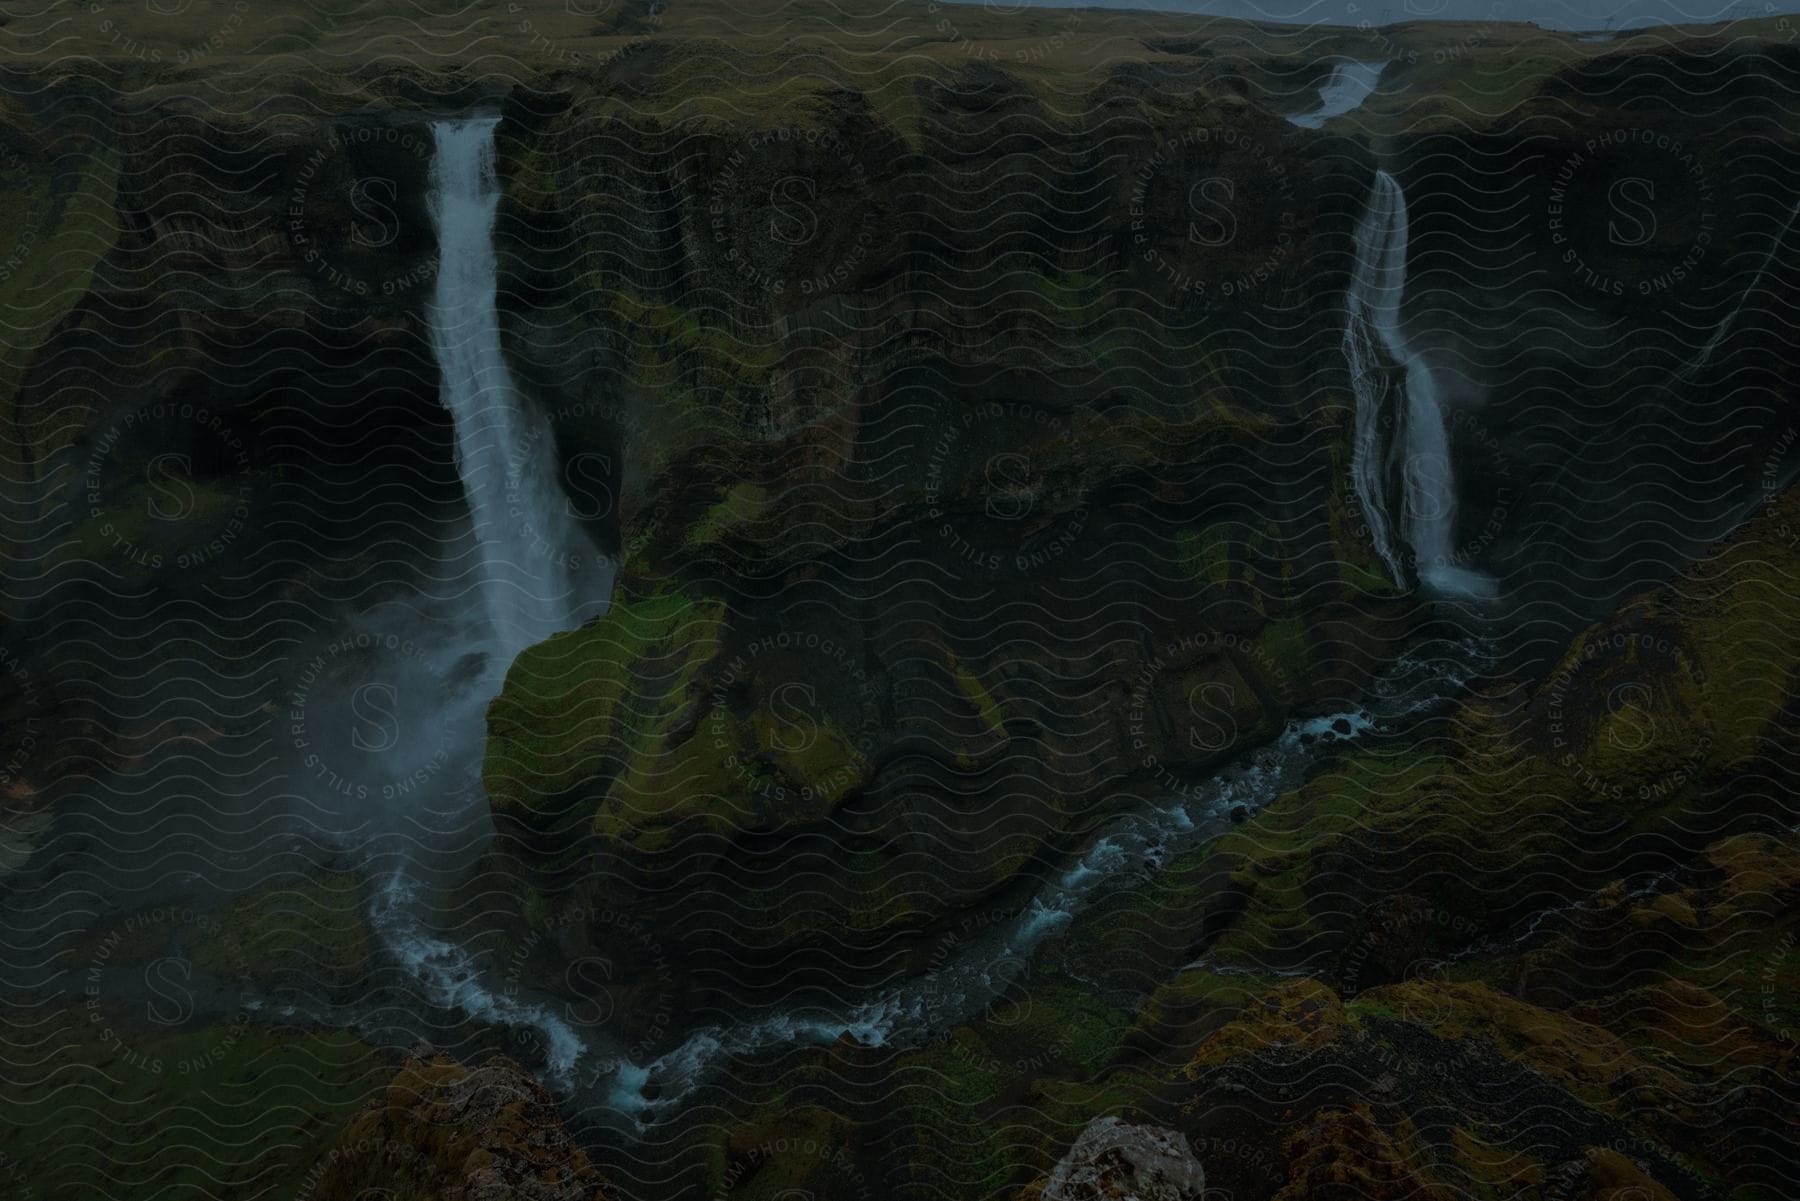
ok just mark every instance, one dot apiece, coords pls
pixel 1116 1161
pixel 445 1132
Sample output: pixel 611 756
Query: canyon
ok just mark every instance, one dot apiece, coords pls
pixel 651 609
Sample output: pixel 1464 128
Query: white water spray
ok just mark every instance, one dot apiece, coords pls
pixel 539 573
pixel 1372 339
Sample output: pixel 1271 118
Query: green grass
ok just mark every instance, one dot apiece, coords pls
pixel 577 700
pixel 228 1110
pixel 313 927
pixel 36 296
pixel 743 504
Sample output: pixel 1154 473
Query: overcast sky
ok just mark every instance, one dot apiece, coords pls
pixel 1551 14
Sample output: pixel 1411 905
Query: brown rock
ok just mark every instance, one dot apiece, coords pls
pixel 445 1132
pixel 1115 1161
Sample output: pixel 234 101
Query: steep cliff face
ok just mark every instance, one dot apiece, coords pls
pixel 827 691
pixel 924 448
pixel 1624 390
pixel 223 404
pixel 975 442
pixel 1536 954
pixel 921 472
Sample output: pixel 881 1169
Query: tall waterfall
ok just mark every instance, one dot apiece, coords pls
pixel 1421 442
pixel 540 573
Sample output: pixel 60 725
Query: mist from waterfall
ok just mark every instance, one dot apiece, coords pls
pixel 1373 338
pixel 537 571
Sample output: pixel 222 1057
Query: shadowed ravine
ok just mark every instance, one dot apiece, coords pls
pixel 535 566
pixel 923 602
pixel 518 510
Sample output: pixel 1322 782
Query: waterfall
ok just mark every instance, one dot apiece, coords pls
pixel 1374 303
pixel 1720 331
pixel 539 572
pixel 1372 340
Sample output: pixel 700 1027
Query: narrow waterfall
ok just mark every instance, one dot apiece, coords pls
pixel 1373 339
pixel 1723 329
pixel 1373 303
pixel 538 571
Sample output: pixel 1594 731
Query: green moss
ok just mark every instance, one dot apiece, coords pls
pixel 1194 990
pixel 1205 554
pixel 940 1097
pixel 743 504
pixel 1295 1015
pixel 1487 1170
pixel 89 1112
pixel 993 1102
pixel 816 757
pixel 312 927
pixel 1280 849
pixel 1282 646
pixel 531 177
pixel 37 296
pixel 1056 1030
pixel 618 704
pixel 677 774
pixel 785 1150
pixel 976 693
pixel 584 701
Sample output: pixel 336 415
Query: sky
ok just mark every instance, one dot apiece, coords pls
pixel 1551 14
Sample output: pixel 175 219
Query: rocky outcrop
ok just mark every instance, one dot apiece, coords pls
pixel 912 552
pixel 1116 1161
pixel 861 667
pixel 445 1132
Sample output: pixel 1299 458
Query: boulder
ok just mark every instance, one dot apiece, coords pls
pixel 1116 1161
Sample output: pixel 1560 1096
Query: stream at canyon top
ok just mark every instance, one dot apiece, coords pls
pixel 1349 84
